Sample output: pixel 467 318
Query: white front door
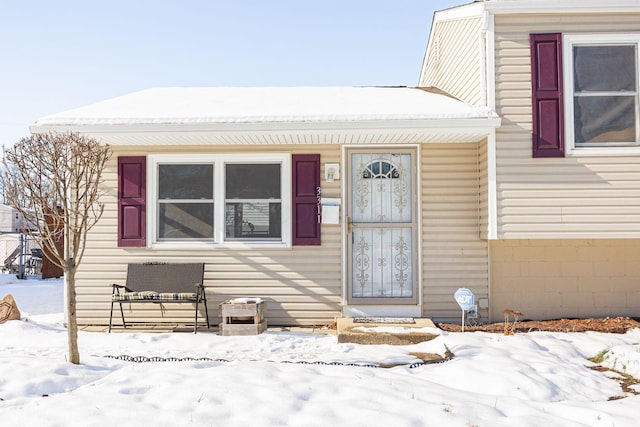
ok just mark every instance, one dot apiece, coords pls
pixel 382 229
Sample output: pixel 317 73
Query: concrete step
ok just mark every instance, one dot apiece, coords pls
pixel 393 331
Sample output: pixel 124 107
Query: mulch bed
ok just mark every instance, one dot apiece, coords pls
pixel 615 325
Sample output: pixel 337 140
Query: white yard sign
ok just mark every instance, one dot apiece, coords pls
pixel 466 300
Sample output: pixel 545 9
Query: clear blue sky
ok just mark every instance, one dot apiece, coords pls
pixel 62 54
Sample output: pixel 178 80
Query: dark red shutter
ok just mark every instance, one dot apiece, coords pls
pixel 132 183
pixel 306 182
pixel 546 84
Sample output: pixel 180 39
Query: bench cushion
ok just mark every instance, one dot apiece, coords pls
pixel 155 296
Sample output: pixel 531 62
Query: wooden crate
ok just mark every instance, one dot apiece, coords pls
pixel 242 317
pixel 229 329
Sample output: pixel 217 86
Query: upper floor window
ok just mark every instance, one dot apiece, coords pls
pixel 601 91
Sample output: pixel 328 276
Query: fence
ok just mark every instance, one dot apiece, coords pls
pixel 22 255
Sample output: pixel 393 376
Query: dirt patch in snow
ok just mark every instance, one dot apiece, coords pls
pixel 615 325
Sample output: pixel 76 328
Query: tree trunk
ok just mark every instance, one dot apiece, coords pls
pixel 72 321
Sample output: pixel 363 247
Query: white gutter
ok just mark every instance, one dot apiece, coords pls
pixel 490 60
pixel 490 94
pixel 492 189
pixel 457 123
pixel 561 6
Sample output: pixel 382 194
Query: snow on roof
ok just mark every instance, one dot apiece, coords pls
pixel 201 105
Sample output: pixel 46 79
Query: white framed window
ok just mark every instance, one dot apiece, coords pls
pixel 219 200
pixel 602 107
pixel 185 203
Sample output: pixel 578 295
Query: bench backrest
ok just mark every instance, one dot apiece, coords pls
pixel 164 277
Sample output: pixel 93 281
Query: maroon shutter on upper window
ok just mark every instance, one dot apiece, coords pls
pixel 132 177
pixel 547 99
pixel 306 182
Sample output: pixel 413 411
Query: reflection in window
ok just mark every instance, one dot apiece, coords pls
pixel 185 201
pixel 216 199
pixel 185 221
pixel 380 169
pixel 185 181
pixel 253 201
pixel 605 94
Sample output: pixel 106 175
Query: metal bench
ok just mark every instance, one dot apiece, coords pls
pixel 161 283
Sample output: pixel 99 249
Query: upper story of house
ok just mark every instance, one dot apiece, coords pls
pixel 578 59
pixel 563 77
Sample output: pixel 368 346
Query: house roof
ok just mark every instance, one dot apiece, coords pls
pixel 216 110
pixel 185 105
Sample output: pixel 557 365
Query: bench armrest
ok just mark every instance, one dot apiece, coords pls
pixel 117 289
pixel 199 290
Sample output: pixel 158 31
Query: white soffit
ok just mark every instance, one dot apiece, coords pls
pixel 322 115
pixel 284 137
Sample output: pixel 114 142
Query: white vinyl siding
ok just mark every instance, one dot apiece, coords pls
pixel 298 289
pixel 572 197
pixel 453 254
pixel 483 189
pixel 303 284
pixel 454 59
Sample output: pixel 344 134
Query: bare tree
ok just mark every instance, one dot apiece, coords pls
pixel 54 181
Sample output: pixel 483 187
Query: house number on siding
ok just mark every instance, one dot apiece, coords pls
pixel 319 203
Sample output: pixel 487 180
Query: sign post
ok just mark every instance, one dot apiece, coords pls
pixel 466 300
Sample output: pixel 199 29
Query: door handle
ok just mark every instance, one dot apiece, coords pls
pixel 349 225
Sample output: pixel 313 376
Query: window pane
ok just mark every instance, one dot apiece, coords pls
pixel 605 119
pixel 253 220
pixel 604 68
pixel 190 181
pixel 185 220
pixel 380 169
pixel 257 181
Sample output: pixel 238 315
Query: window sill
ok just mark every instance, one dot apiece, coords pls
pixel 603 151
pixel 214 245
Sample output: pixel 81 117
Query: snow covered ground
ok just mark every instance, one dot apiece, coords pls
pixel 535 379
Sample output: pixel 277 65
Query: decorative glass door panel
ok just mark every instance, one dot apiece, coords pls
pixel 382 263
pixel 381 188
pixel 382 228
